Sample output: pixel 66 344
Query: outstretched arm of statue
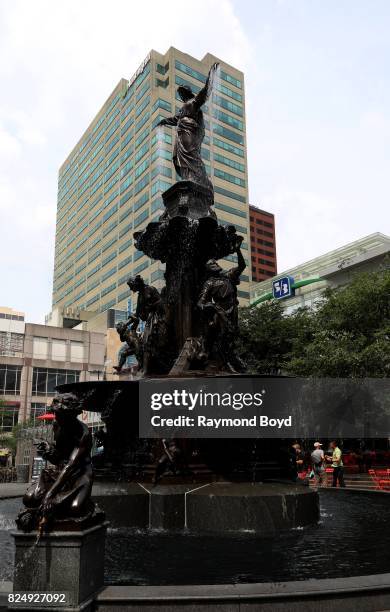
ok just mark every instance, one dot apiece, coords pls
pixel 133 322
pixel 204 93
pixel 169 121
pixel 236 272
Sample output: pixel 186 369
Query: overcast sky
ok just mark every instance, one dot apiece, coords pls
pixel 318 112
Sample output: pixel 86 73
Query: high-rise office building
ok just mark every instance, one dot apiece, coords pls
pixel 262 244
pixel 111 183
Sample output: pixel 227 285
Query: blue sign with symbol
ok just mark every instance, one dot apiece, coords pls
pixel 283 287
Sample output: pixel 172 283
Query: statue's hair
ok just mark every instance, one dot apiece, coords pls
pixel 69 402
pixel 136 280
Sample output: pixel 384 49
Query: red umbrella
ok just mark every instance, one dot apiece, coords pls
pixel 46 417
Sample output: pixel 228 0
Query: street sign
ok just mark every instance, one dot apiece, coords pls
pixel 283 287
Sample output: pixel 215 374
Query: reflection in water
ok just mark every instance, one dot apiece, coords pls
pixel 351 538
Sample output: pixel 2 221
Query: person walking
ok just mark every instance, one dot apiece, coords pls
pixel 318 460
pixel 337 465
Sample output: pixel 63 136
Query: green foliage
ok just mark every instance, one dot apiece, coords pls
pixel 347 335
pixel 10 440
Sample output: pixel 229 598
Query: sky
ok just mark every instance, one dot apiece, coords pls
pixel 317 99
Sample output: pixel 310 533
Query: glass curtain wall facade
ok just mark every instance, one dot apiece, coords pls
pixel 111 183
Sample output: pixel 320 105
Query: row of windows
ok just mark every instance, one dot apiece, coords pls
pixel 261 233
pixel 229 177
pixel 257 271
pixel 162 185
pixel 45 380
pixel 261 222
pixel 201 77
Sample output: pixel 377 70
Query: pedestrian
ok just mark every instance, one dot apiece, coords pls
pixel 300 457
pixel 318 461
pixel 337 465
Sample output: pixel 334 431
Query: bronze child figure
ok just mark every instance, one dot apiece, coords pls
pixel 62 494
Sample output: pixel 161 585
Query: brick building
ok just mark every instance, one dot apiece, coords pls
pixel 263 245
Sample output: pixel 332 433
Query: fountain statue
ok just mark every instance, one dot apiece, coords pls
pixel 190 130
pixel 62 494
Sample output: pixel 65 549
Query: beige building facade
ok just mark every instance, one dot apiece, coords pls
pixel 111 183
pixel 46 357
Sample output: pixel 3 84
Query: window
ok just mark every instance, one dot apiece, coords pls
pixel 229 162
pixel 138 220
pixel 141 152
pixel 229 194
pixel 77 351
pixel 142 121
pixel 162 69
pixel 126 168
pixel 9 415
pixel 92 300
pixel 221 131
pixel 142 106
pixel 58 350
pixel 227 105
pixel 160 103
pixel 228 147
pixel 157 275
pixel 221 116
pixel 141 168
pixel 159 186
pixel 40 348
pixel 227 77
pixel 229 209
pixel 108 290
pixel 190 71
pixel 10 379
pixel 163 153
pixel 163 170
pixel 37 409
pixel 45 380
pixel 108 274
pixel 139 140
pixel 141 201
pixel 142 91
pixel 11 344
pixel 229 177
pixel 164 84
pixel 141 184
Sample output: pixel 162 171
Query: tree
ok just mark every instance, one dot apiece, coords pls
pixel 346 335
pixel 351 331
pixel 267 337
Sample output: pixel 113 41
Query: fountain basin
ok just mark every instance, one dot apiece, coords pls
pixel 217 507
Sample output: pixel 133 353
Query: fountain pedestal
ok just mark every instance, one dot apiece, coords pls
pixel 69 562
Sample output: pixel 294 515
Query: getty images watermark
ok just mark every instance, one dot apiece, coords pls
pixel 194 401
pixel 264 407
